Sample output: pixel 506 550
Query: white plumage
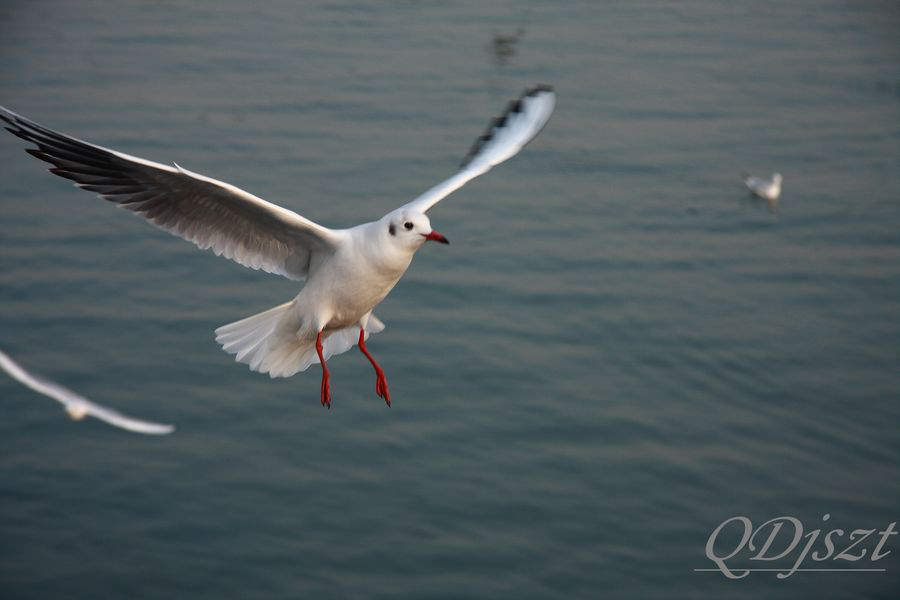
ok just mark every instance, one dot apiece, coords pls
pixel 768 189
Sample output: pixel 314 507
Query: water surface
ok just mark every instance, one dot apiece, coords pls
pixel 619 350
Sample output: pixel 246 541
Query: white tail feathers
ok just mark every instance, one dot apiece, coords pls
pixel 269 342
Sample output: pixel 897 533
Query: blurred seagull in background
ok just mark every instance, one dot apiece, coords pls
pixel 504 44
pixel 347 271
pixel 769 189
pixel 77 406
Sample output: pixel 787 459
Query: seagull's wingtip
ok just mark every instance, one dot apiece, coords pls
pixel 145 427
pixel 537 89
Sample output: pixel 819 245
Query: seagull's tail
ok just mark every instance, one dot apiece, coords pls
pixel 269 342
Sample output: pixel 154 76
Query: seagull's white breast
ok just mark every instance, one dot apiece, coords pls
pixel 354 279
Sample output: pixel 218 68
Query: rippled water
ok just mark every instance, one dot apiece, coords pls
pixel 619 351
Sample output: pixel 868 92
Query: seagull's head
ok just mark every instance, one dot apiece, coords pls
pixel 411 229
pixel 777 178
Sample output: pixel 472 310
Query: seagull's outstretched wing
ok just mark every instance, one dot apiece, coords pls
pixel 506 135
pixel 76 405
pixel 209 213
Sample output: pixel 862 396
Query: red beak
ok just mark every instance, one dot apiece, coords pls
pixel 434 236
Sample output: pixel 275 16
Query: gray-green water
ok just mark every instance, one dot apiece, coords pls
pixel 619 351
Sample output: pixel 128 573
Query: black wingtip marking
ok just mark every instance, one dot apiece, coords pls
pixel 91 168
pixel 541 87
pixel 20 133
pixel 62 173
pixel 514 107
pixel 67 154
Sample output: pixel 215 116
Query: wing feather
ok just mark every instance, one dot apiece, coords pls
pixel 523 119
pixel 210 213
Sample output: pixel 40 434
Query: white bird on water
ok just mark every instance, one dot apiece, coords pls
pixel 347 271
pixel 78 406
pixel 768 189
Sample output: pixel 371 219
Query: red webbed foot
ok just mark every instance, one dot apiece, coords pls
pixel 381 386
pixel 326 376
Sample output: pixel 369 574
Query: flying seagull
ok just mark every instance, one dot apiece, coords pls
pixel 77 406
pixel 347 271
pixel 768 189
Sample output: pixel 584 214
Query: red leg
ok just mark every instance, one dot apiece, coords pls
pixel 326 378
pixel 381 387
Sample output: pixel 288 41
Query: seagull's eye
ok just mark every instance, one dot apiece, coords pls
pixel 408 225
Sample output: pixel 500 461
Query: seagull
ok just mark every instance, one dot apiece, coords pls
pixel 769 189
pixel 504 44
pixel 347 272
pixel 77 406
